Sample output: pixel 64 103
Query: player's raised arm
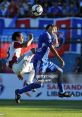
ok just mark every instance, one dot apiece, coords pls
pixel 30 39
pixel 18 39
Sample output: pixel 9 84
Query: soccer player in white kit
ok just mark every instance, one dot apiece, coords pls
pixel 18 64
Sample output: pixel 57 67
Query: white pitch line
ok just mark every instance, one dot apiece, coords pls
pixel 1 114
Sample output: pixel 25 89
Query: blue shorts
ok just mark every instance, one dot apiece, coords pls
pixel 49 66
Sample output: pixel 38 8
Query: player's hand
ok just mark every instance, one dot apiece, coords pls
pixel 20 77
pixel 30 36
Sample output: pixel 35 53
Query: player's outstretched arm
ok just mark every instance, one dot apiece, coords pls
pixel 54 51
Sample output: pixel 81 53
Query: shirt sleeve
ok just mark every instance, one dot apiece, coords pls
pixel 17 45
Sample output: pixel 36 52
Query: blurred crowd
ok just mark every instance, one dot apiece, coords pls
pixel 52 8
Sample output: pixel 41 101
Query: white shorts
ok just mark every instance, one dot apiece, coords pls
pixel 22 66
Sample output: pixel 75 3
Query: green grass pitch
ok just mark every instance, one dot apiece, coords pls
pixel 8 108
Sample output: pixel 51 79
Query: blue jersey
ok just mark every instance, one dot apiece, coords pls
pixel 44 43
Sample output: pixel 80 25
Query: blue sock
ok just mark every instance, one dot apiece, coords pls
pixel 59 81
pixel 60 86
pixel 29 88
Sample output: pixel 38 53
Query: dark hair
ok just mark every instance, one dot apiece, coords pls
pixel 15 35
pixel 48 26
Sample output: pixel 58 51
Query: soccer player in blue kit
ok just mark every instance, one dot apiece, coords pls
pixel 45 45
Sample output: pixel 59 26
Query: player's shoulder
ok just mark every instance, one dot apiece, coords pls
pixel 48 35
pixel 45 34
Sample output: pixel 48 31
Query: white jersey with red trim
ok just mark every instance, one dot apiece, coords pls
pixel 20 64
pixel 14 53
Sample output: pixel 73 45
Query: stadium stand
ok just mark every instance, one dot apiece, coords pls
pixel 52 8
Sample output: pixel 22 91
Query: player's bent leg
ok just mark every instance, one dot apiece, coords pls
pixel 29 87
pixel 26 84
pixel 57 70
pixel 31 76
pixel 61 93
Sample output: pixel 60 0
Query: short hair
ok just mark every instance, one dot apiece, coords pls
pixel 15 35
pixel 48 26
